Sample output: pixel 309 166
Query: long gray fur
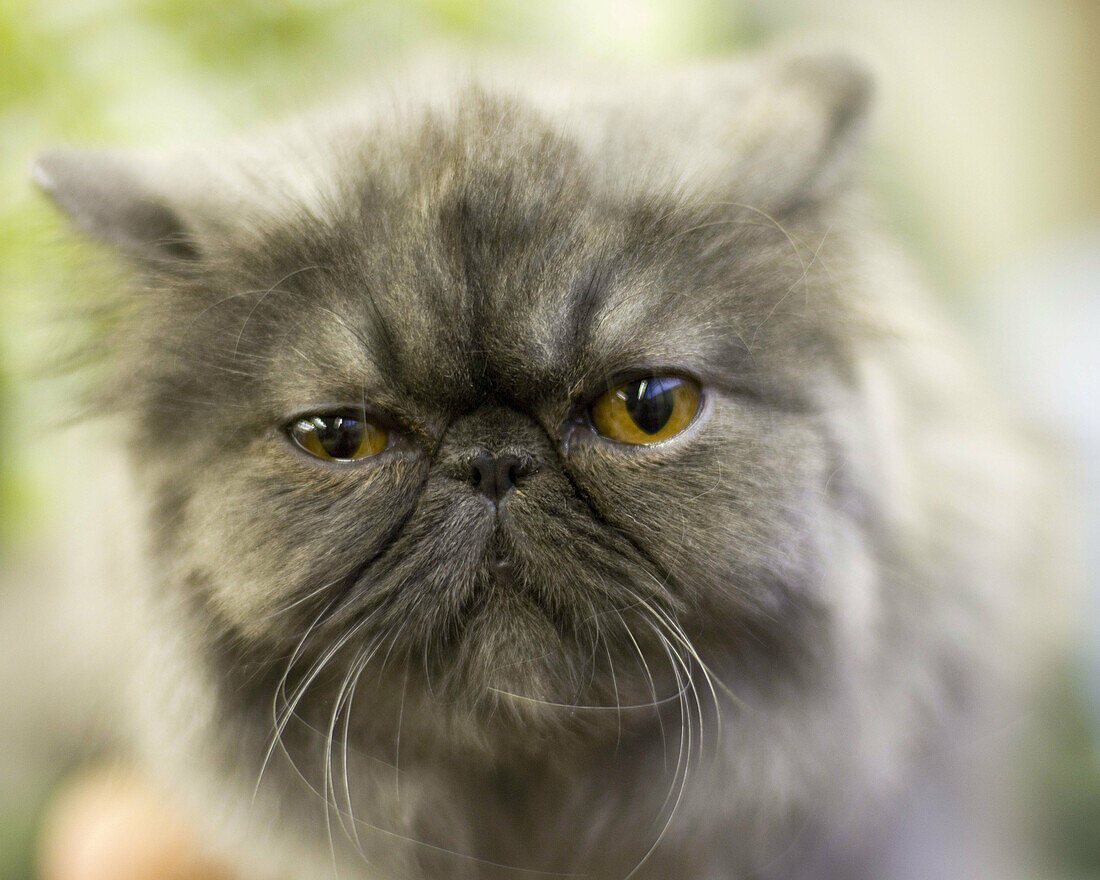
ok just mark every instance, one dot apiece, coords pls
pixel 736 654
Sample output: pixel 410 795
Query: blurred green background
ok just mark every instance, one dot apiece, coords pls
pixel 988 129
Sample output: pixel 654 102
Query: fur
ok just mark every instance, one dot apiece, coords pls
pixel 732 654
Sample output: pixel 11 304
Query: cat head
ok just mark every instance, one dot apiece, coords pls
pixel 522 400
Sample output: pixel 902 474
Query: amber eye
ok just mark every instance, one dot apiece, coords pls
pixel 647 410
pixel 339 436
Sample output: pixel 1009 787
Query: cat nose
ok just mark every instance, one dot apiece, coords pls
pixel 494 476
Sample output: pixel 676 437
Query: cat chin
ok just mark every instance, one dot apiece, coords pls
pixel 511 697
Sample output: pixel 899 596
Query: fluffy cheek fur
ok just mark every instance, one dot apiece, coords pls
pixel 735 528
pixel 265 538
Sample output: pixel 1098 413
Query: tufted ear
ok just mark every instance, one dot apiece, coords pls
pixel 114 198
pixel 772 131
pixel 796 132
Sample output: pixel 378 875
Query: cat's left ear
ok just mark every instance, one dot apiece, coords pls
pixel 797 133
pixel 116 198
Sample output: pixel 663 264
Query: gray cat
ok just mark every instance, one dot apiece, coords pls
pixel 556 480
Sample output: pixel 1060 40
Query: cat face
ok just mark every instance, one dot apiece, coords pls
pixel 529 431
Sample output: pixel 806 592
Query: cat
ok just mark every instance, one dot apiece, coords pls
pixel 558 479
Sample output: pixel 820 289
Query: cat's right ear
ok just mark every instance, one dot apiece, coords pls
pixel 798 131
pixel 112 197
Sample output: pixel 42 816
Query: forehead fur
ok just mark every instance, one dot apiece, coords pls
pixel 478 253
pixel 441 245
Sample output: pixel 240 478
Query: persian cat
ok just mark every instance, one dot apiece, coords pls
pixel 553 480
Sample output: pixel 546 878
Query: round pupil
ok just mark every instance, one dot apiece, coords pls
pixel 650 402
pixel 339 436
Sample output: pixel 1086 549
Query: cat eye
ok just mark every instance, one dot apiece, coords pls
pixel 339 436
pixel 648 410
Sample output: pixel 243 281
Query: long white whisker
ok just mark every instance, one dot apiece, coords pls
pixel 397 739
pixel 652 691
pixel 594 707
pixel 682 763
pixel 259 302
pixel 618 700
pixel 277 731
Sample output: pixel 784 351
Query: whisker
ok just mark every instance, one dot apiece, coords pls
pixel 652 690
pixel 805 272
pixel 618 701
pixel 682 764
pixel 594 707
pixel 282 682
pixel 266 294
pixel 397 738
pixel 329 783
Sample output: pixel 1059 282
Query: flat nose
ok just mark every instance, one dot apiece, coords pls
pixel 494 476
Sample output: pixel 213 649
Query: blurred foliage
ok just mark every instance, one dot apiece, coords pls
pixel 1068 767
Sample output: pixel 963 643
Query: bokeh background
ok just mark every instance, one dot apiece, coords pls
pixel 986 156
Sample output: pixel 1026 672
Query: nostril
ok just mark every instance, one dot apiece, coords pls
pixel 509 472
pixel 494 477
pixel 483 474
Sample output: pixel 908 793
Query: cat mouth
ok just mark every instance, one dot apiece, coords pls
pixel 499 558
pixel 502 569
